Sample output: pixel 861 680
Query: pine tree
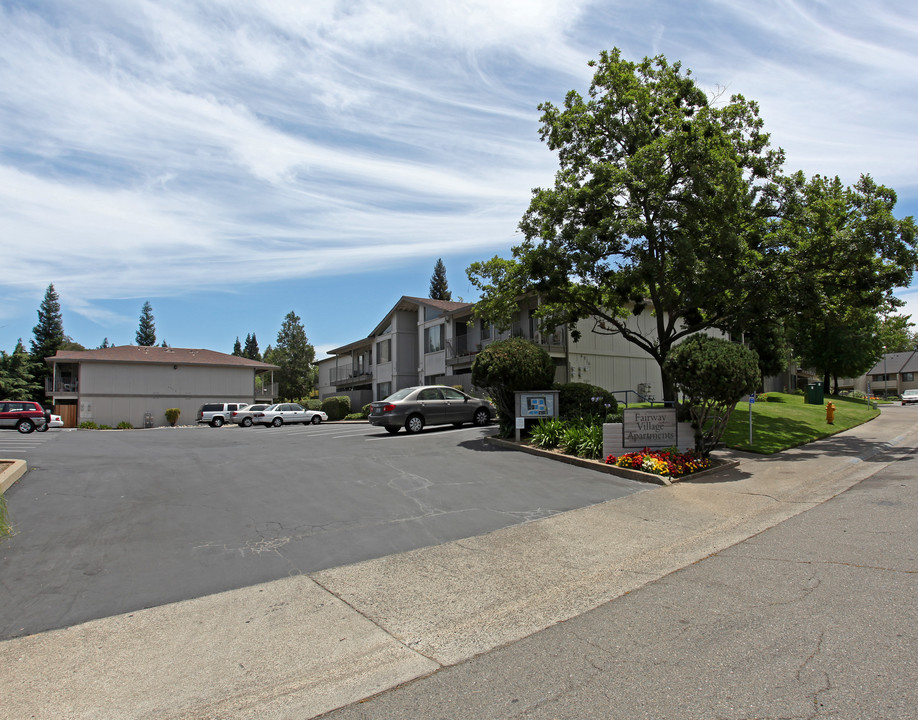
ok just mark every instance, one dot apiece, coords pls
pixel 439 289
pixel 146 333
pixel 49 333
pixel 19 377
pixel 237 348
pixel 251 348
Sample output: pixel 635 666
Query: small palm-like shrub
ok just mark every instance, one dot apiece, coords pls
pixel 125 425
pixel 172 415
pixel 548 433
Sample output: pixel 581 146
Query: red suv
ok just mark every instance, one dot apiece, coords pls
pixel 23 415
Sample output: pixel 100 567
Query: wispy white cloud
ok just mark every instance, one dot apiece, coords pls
pixel 145 140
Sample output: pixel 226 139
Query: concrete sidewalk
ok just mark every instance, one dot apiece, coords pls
pixel 302 646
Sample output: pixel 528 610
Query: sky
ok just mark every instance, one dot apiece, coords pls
pixel 231 161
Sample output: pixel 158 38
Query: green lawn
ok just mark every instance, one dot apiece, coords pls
pixel 777 426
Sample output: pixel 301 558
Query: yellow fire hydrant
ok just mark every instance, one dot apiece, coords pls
pixel 830 413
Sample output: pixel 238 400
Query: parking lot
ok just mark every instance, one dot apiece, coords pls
pixel 110 522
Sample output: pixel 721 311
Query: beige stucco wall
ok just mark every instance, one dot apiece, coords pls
pixel 111 393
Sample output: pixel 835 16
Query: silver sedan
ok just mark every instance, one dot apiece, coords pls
pixel 281 413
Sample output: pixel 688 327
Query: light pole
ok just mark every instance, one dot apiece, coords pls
pixel 885 377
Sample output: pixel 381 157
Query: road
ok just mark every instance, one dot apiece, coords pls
pixel 813 618
pixel 112 522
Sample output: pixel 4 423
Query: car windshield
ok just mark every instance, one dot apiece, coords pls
pixel 401 394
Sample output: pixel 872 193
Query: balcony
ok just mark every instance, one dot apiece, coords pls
pixel 349 376
pixel 62 386
pixel 266 392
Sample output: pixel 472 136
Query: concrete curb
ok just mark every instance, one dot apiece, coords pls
pixel 600 466
pixel 11 471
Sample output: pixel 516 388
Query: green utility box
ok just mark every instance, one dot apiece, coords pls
pixel 814 394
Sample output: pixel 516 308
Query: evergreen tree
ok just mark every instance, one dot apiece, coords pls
pixel 295 356
pixel 19 375
pixel 237 348
pixel 49 333
pixel 105 344
pixel 439 289
pixel 251 348
pixel 48 339
pixel 146 333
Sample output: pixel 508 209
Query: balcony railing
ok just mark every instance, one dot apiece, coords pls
pixel 266 391
pixel 349 376
pixel 58 386
pixel 460 349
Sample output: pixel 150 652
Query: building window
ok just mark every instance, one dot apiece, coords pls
pixel 383 352
pixel 485 330
pixel 383 390
pixel 908 377
pixel 433 339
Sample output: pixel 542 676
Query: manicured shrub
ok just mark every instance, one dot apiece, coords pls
pixel 507 366
pixel 337 408
pixel 125 425
pixel 311 404
pixel 713 374
pixel 172 415
pixel 581 400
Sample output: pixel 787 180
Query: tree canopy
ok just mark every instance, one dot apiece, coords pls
pixel 295 357
pixel 20 377
pixel 661 200
pixel 439 288
pixel 844 255
pixel 146 332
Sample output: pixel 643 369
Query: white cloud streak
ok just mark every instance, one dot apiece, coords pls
pixel 145 140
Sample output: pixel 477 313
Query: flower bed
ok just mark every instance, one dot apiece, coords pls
pixel 661 462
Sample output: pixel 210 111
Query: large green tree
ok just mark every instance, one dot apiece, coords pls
pixel 845 253
pixel 659 206
pixel 897 334
pixel 295 356
pixel 146 331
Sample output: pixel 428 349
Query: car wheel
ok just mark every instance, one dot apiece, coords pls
pixel 392 429
pixel 316 419
pixel 25 426
pixel 277 422
pixel 414 424
pixel 481 417
pixel 217 422
pixel 43 428
pixel 246 422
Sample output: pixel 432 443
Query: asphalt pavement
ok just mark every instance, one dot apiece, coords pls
pixel 784 587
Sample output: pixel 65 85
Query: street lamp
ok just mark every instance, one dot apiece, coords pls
pixel 885 377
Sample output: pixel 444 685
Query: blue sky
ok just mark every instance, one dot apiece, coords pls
pixel 233 160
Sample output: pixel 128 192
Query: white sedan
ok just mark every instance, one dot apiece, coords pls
pixel 54 421
pixel 281 413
